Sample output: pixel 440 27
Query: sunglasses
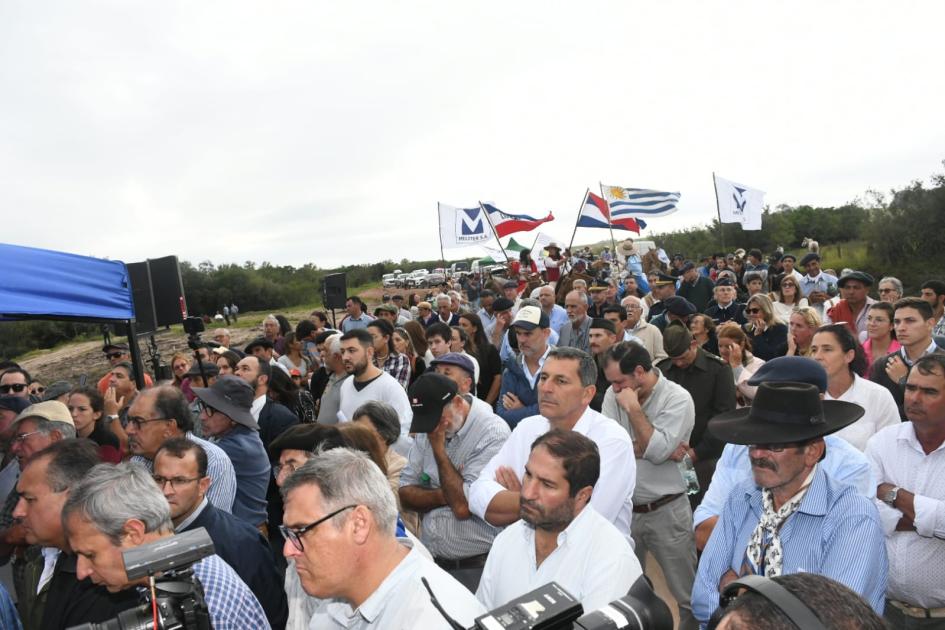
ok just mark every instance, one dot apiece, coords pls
pixel 39 390
pixel 15 387
pixel 752 311
pixel 113 355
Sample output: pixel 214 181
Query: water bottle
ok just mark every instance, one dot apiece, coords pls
pixel 688 472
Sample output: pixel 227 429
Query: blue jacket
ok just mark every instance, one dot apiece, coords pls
pixel 246 550
pixel 514 381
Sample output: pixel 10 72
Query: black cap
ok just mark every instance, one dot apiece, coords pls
pixel 510 284
pixel 115 346
pixel 725 281
pixel 859 276
pixel 687 266
pixel 606 324
pixel 786 256
pixel 307 437
pixel 664 278
pixel 429 394
pixel 812 256
pixel 231 396
pixel 261 342
pixel 502 304
pixel 679 306
pixel 210 369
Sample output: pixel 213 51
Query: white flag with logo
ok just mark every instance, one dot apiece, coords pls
pixel 739 203
pixel 462 227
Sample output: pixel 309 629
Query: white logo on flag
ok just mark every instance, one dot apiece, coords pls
pixel 471 226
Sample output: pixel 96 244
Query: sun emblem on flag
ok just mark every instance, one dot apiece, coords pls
pixel 616 192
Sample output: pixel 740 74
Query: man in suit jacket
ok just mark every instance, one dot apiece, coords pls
pixel 180 469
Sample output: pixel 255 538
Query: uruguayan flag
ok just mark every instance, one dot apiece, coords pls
pixel 639 202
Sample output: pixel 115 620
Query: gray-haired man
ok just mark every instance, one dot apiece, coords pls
pixel 119 507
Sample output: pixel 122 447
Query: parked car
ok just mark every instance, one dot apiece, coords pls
pixel 389 280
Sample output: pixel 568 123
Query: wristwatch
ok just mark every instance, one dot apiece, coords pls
pixel 112 418
pixel 890 497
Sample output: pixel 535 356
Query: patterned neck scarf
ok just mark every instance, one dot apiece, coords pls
pixel 770 556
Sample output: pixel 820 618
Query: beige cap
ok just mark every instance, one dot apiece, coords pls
pixel 51 410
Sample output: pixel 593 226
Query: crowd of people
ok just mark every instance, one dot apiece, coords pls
pixel 570 422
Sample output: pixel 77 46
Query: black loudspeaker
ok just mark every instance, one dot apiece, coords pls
pixel 336 291
pixel 145 320
pixel 167 290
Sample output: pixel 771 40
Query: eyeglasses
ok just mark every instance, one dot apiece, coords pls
pixel 205 408
pixel 752 311
pixel 137 421
pixel 15 387
pixel 22 437
pixel 175 482
pixel 288 468
pixel 295 535
pixel 39 390
pixel 113 355
pixel 887 290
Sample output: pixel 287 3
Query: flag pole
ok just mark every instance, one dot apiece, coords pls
pixel 439 220
pixel 610 226
pixel 496 234
pixel 578 220
pixel 718 209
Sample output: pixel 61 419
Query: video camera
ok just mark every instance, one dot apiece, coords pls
pixel 550 607
pixel 178 597
pixel 193 326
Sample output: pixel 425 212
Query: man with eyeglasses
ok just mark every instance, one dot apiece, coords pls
pixel 180 471
pixel 160 414
pixel 342 538
pixel 227 422
pixel 118 353
pixel 636 327
pixel 791 517
pixel 140 514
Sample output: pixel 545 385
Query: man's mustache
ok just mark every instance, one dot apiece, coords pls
pixel 764 463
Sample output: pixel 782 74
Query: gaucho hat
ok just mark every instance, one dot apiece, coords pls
pixel 784 412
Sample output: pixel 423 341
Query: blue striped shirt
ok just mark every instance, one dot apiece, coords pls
pixel 835 532
pixel 231 604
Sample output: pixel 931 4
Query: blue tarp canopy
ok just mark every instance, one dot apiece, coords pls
pixel 43 284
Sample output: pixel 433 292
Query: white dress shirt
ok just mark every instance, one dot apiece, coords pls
pixel 593 562
pixel 613 493
pixel 880 406
pixel 916 559
pixel 402 602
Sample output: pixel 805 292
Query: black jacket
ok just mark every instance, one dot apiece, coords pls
pixel 242 547
pixel 273 420
pixel 71 602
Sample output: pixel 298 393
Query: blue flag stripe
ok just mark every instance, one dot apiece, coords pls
pixel 635 210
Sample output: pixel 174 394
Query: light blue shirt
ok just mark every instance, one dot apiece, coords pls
pixel 506 350
pixel 835 532
pixel 843 463
pixel 820 283
pixel 558 317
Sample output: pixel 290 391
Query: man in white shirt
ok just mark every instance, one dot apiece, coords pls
pixel 370 382
pixel 560 536
pixel 565 389
pixel 366 577
pixel 908 460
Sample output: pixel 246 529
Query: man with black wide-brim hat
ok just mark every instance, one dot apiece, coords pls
pixel 791 517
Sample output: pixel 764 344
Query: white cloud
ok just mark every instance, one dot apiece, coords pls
pixel 326 132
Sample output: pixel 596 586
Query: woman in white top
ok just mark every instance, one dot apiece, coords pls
pixel 787 297
pixel 835 348
pixel 735 348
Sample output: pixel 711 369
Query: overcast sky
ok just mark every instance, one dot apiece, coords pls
pixel 326 132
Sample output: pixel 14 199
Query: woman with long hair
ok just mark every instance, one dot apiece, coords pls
pixel 787 297
pixel 227 361
pixel 180 365
pixel 769 335
pixel 490 364
pixel 283 389
pixel 835 348
pixel 403 345
pixel 735 349
pixel 293 357
pixel 880 333
pixel 419 338
pixel 803 324
pixel 87 408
